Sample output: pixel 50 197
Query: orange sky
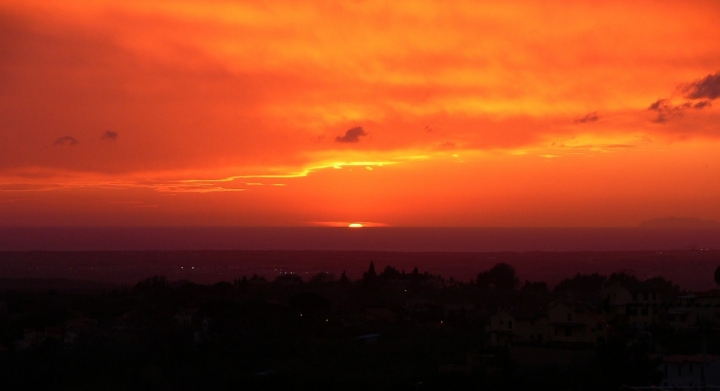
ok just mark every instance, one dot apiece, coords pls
pixel 402 113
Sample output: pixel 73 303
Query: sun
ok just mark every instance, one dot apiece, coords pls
pixel 355 225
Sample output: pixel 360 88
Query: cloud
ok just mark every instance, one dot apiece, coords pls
pixel 352 135
pixel 66 140
pixel 702 104
pixel 666 110
pixel 708 88
pixel 447 145
pixel 109 135
pixel 611 146
pixel 590 117
pixel 659 104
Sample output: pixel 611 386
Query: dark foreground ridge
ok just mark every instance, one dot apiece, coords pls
pixel 385 328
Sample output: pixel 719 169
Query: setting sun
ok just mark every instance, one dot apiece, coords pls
pixel 355 225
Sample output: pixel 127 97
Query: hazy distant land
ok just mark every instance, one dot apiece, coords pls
pixel 646 238
pixel 691 269
pixel 679 222
pixel 125 255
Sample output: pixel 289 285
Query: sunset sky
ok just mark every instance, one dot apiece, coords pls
pixel 397 113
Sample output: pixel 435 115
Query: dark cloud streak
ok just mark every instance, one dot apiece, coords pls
pixel 706 88
pixel 352 135
pixel 590 117
pixel 702 105
pixel 447 145
pixel 666 110
pixel 109 135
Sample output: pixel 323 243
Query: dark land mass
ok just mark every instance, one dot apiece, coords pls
pixel 56 284
pixel 383 329
pixel 691 269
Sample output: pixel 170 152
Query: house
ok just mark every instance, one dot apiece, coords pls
pixel 519 325
pixel 681 318
pixel 418 306
pixel 696 370
pixel 694 309
pixel 640 304
pixel 421 310
pixel 708 307
pixel 575 323
pixel 501 328
pixel 532 324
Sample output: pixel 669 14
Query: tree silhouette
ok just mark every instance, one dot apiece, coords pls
pixel 535 287
pixel 585 283
pixel 152 286
pixel 370 276
pixel 322 278
pixel 344 278
pixel 501 276
pixel 390 273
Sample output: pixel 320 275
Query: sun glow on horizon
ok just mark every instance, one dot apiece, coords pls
pixel 355 225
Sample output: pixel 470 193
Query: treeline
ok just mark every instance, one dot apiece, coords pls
pixel 501 277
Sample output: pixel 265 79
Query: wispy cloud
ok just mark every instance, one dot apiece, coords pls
pixel 66 140
pixel 665 110
pixel 702 104
pixel 446 145
pixel 699 93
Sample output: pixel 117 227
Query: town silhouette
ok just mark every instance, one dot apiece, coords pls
pixel 385 329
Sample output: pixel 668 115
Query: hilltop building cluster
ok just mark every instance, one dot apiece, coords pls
pixel 392 328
